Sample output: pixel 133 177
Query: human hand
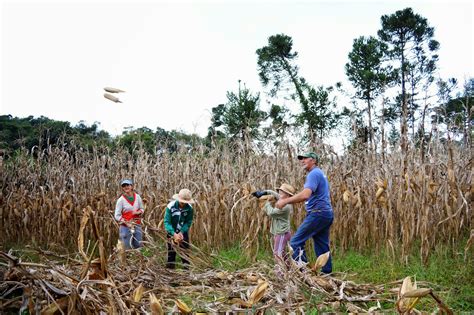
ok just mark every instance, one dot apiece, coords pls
pixel 178 237
pixel 259 193
pixel 280 203
pixel 136 212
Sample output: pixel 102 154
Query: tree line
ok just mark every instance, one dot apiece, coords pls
pixel 396 98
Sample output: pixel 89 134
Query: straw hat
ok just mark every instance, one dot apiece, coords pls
pixel 184 195
pixel 290 190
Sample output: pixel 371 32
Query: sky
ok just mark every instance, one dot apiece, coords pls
pixel 177 59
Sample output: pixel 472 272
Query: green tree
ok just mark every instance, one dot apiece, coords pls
pixel 368 74
pixel 421 76
pixel 408 37
pixel 279 121
pixel 132 138
pixel 278 70
pixel 456 113
pixel 41 132
pixel 319 114
pixel 239 118
pixel 352 120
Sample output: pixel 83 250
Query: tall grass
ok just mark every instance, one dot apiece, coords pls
pixel 43 194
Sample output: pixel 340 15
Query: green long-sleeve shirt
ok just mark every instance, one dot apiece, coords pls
pixel 280 218
pixel 178 219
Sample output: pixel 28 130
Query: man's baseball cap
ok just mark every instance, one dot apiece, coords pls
pixel 311 155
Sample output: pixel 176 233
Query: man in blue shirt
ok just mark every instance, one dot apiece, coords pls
pixel 319 213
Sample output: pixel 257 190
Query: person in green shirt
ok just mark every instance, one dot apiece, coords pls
pixel 178 220
pixel 280 222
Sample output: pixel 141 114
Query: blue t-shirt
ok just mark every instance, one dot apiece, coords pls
pixel 319 185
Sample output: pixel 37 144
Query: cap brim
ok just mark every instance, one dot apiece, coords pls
pixel 300 157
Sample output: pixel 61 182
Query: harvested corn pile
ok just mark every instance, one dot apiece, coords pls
pixel 61 284
pixel 83 287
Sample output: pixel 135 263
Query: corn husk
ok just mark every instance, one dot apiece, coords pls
pixel 406 304
pixel 379 192
pixel 138 293
pixel 155 305
pixel 321 261
pixel 417 293
pixel 346 196
pixel 183 307
pixel 258 293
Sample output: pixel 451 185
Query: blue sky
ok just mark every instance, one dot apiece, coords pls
pixel 176 60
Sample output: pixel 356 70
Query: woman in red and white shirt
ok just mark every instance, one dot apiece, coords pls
pixel 128 212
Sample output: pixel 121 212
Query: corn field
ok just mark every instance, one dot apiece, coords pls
pixel 44 193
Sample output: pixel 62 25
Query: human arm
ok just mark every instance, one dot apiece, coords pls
pixel 118 210
pixel 167 222
pixel 272 211
pixel 299 197
pixel 272 193
pixel 141 208
pixel 188 221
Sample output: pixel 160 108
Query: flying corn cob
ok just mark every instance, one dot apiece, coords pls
pixel 112 98
pixel 112 90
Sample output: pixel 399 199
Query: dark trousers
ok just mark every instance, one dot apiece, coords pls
pixel 317 227
pixel 171 263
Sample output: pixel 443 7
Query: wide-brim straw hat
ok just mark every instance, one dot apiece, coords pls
pixel 184 195
pixel 290 190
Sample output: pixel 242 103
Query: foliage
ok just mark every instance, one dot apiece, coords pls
pixel 277 68
pixel 280 123
pixel 40 132
pixel 239 118
pixel 411 45
pixel 319 114
pixel 365 68
pixel 456 113
pixel 447 270
pixel 368 74
pixel 29 132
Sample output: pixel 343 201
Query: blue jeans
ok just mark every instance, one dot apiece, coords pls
pixel 129 240
pixel 316 226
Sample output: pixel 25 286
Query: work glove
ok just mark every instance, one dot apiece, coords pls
pixel 259 193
